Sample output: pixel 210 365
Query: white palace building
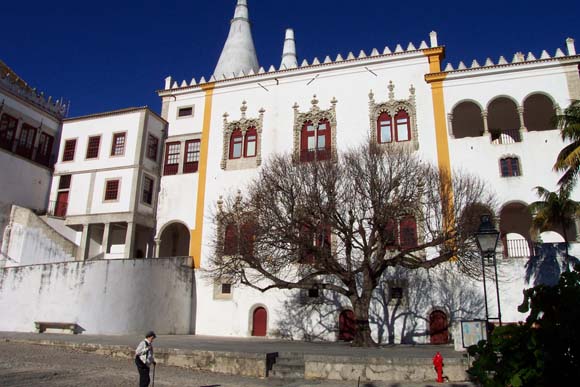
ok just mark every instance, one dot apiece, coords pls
pixel 127 225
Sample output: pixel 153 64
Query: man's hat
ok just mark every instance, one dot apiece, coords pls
pixel 151 334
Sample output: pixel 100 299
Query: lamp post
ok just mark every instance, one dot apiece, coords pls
pixel 487 237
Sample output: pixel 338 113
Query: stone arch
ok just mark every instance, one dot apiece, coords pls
pixel 467 120
pixel 503 120
pixel 174 238
pixel 539 111
pixel 259 316
pixel 515 230
pixel 439 322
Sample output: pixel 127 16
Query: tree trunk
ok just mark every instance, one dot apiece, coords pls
pixel 567 257
pixel 362 336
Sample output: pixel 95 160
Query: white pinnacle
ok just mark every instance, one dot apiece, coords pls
pixel 289 54
pixel 239 53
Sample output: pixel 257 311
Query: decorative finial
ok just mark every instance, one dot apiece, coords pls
pixel 314 100
pixel 371 95
pixel 333 101
pixel 244 108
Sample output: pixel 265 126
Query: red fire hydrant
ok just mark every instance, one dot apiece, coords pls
pixel 438 364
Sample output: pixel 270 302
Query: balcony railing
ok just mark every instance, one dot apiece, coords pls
pixel 57 209
pixel 517 248
pixel 505 136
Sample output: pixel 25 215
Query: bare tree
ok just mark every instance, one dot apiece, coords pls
pixel 338 225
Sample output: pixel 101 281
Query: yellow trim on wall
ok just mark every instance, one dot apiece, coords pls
pixel 197 233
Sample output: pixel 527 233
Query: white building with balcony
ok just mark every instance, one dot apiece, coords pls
pixel 106 181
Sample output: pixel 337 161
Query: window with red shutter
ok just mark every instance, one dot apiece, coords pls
pixel 93 147
pixel 68 153
pixel 191 162
pixel 111 190
pixel 8 125
pixel 236 144
pixel 251 142
pixel 385 128
pixel 172 151
pixel 408 227
pixel 403 126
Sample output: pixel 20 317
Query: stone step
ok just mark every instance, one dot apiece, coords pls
pixel 288 365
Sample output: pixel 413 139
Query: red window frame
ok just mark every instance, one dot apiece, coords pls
pixel 319 238
pixel 25 143
pixel 239 240
pixel 408 232
pixel 112 190
pixel 152 147
pixel 118 144
pixel 191 157
pixel 384 117
pixel 236 139
pixel 148 184
pixel 68 153
pixel 172 152
pixel 44 151
pixel 510 167
pixel 93 146
pixel 8 126
pixel 402 114
pixel 251 138
pixel 392 234
pixel 309 131
pixel 231 239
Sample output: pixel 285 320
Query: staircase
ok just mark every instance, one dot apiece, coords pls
pixel 288 365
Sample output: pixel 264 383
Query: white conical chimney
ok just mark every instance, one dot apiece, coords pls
pixel 239 53
pixel 289 59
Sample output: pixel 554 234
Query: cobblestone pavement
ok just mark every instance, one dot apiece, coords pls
pixel 35 365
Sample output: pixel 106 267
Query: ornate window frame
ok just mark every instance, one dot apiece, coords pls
pixel 519 165
pixel 315 115
pixel 391 107
pixel 243 124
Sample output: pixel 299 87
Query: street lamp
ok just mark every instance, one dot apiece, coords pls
pixel 487 237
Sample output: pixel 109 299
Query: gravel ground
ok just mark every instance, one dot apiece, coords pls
pixel 37 365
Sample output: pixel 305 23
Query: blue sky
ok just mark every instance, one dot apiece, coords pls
pixel 108 55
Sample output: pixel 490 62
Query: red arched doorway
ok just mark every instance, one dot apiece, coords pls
pixel 259 322
pixel 346 325
pixel 438 327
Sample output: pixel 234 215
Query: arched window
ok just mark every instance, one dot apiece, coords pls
pixel 385 128
pixel 510 166
pixel 236 144
pixel 251 142
pixel 467 120
pixel 402 126
pixel 538 113
pixel 315 141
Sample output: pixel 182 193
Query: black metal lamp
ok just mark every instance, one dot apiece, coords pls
pixel 487 236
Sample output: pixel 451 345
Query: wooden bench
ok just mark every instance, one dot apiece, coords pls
pixel 42 326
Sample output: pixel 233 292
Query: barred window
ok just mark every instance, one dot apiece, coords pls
pixel 112 190
pixel 118 148
pixel 152 147
pixel 68 153
pixel 93 147
pixel 147 190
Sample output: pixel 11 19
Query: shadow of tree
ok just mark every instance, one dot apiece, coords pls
pixel 547 264
pixel 403 319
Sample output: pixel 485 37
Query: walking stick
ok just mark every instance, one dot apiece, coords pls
pixel 153 384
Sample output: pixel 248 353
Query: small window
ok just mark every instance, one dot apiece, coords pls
pixel 510 166
pixel 147 190
pixel 152 147
pixel 250 142
pixel 26 141
pixel 111 190
pixel 191 162
pixel 403 126
pixel 172 151
pixel 313 293
pixel 185 112
pixel 64 182
pixel 44 150
pixel 68 153
pixel 385 128
pixel 236 144
pixel 93 147
pixel 118 148
pixel 8 125
pixel 408 227
pixel 396 293
pixel 226 288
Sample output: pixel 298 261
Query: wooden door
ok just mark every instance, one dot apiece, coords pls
pixel 346 325
pixel 61 204
pixel 259 322
pixel 438 327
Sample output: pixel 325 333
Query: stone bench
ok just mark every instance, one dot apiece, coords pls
pixel 42 326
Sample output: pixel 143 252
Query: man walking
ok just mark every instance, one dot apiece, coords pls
pixel 144 358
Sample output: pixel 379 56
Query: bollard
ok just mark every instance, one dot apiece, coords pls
pixel 438 364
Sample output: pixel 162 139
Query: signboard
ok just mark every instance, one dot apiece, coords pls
pixel 472 332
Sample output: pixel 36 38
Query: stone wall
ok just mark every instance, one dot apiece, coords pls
pixel 102 297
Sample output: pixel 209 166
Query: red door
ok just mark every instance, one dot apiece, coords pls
pixel 61 204
pixel 438 327
pixel 259 322
pixel 346 325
